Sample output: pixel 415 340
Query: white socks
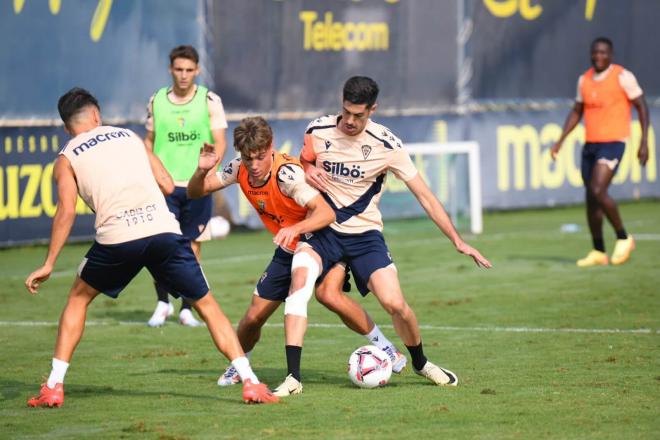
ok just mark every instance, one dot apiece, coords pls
pixel 57 373
pixel 376 337
pixel 242 365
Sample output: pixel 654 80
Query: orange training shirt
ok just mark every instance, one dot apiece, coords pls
pixel 276 210
pixel 606 107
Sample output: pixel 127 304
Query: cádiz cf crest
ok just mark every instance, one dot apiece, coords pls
pixel 366 149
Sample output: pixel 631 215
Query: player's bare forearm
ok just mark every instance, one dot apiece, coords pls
pixel 203 182
pixel 439 216
pixel 315 176
pixel 433 208
pixel 196 187
pixel 62 224
pixel 320 215
pixel 149 140
pixel 643 114
pixel 163 178
pixel 437 213
pixel 572 120
pixel 65 214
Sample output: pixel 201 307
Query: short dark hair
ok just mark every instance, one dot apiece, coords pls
pixel 73 102
pixel 603 40
pixel 361 90
pixel 252 135
pixel 187 52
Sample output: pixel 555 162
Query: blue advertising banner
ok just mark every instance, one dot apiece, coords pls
pixel 118 50
pixel 516 168
pixel 541 47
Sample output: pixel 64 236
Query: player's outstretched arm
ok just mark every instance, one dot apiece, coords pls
pixel 163 178
pixel 65 214
pixel 437 213
pixel 319 215
pixel 643 113
pixel 571 122
pixel 204 181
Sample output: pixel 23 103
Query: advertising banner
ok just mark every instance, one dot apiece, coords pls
pixel 536 49
pixel 117 50
pixel 295 55
pixel 516 168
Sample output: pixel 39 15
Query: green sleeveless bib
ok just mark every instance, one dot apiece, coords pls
pixel 180 132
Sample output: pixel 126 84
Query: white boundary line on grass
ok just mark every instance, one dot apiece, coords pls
pixel 449 328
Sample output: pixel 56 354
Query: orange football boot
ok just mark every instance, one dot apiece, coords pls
pixel 50 397
pixel 257 393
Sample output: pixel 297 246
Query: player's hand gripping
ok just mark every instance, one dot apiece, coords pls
pixel 468 250
pixel 317 177
pixel 208 159
pixel 286 236
pixel 36 278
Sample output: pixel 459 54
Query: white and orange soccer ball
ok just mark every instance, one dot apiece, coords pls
pixel 369 367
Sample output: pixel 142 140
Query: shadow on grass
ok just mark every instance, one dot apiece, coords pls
pixel 11 389
pixel 545 258
pixel 120 315
pixel 273 376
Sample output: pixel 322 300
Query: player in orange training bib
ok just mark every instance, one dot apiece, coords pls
pixel 605 94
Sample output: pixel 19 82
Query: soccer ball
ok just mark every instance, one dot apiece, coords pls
pixel 220 227
pixel 369 367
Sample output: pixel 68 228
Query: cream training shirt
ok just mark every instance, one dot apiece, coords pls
pixel 357 168
pixel 115 179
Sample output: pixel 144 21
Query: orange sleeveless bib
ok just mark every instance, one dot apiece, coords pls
pixel 276 210
pixel 606 107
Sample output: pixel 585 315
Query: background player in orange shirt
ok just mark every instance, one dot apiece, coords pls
pixel 274 183
pixel 605 94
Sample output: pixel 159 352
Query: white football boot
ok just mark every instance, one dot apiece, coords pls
pixel 289 387
pixel 438 375
pixel 186 318
pixel 230 377
pixel 399 361
pixel 162 312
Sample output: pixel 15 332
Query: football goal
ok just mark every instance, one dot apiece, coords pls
pixel 452 171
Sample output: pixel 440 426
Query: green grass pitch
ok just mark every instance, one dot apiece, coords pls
pixel 512 334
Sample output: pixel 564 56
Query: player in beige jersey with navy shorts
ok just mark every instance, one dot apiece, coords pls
pixel 347 157
pixel 114 174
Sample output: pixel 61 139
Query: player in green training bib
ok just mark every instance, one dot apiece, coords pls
pixel 180 119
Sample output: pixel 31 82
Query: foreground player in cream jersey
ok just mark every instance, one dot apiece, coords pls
pixel 114 174
pixel 347 157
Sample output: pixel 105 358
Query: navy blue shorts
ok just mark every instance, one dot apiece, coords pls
pixel 274 282
pixel 363 253
pixel 594 152
pixel 110 267
pixel 192 214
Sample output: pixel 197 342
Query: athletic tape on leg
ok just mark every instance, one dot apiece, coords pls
pixel 296 303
